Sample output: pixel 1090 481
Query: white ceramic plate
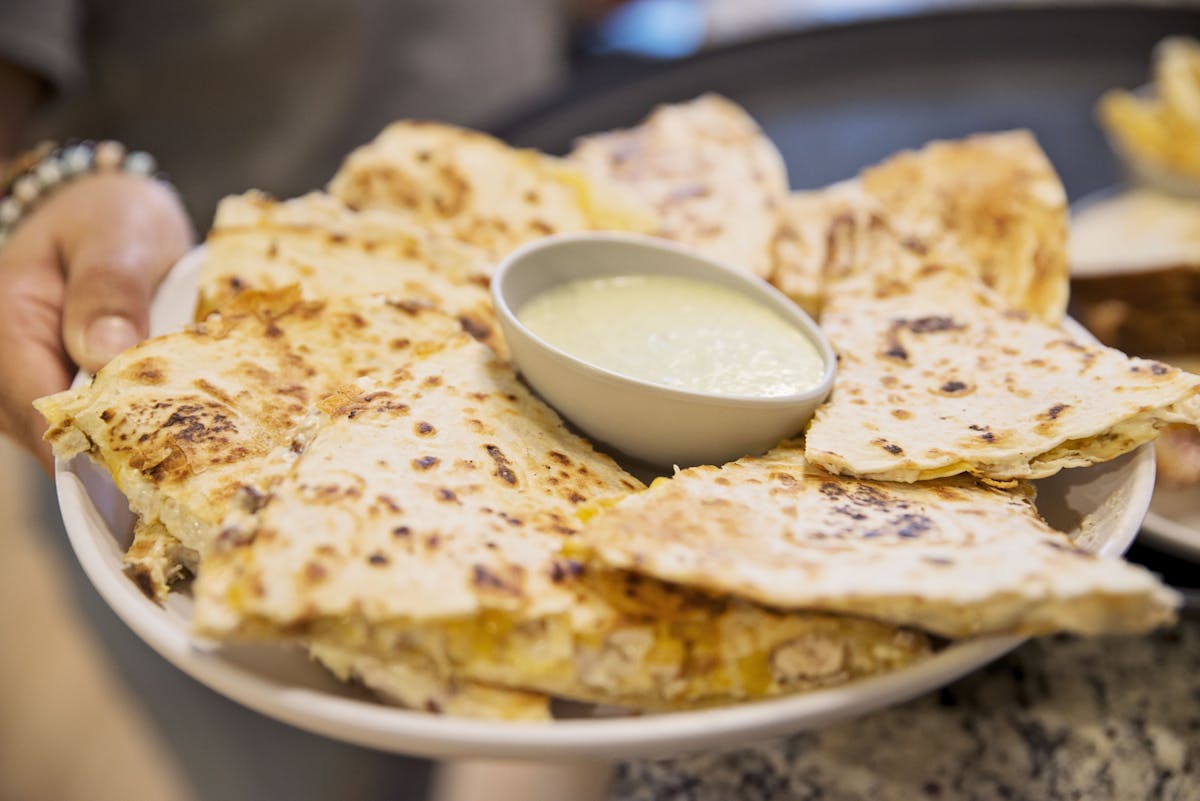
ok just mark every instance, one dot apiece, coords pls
pixel 1104 504
pixel 1173 522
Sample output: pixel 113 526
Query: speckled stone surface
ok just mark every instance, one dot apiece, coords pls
pixel 1059 718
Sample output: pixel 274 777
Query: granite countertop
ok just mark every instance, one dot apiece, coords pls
pixel 1058 718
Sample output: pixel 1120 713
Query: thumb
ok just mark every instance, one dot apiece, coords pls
pixel 106 308
pixel 128 235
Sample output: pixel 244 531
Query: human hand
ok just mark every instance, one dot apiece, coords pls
pixel 76 279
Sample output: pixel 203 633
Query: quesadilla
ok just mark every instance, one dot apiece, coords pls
pixel 328 251
pixel 990 205
pixel 950 556
pixel 473 188
pixel 936 376
pixel 434 511
pixel 195 424
pixel 714 178
pixel 358 474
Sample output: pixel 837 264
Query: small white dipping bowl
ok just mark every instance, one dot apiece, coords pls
pixel 655 424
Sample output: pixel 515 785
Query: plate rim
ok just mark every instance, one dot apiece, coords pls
pixel 1172 536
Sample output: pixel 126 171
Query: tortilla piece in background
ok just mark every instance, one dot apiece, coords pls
pixel 937 377
pixel 471 187
pixel 951 556
pixel 195 424
pixel 990 205
pixel 1156 129
pixel 316 243
pixel 712 175
pixel 435 511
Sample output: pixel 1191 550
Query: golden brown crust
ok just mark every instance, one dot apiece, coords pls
pixel 185 421
pixel 988 205
pixel 472 188
pixel 713 177
pixel 327 251
pixel 950 556
pixel 937 377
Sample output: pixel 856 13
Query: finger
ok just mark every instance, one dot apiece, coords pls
pixel 41 372
pixel 35 364
pixel 128 231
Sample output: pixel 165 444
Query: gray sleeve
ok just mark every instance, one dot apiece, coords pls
pixel 42 36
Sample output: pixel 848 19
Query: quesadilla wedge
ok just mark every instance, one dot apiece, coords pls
pixel 714 178
pixel 936 376
pixel 195 423
pixel 184 422
pixel 989 205
pixel 995 197
pixel 328 251
pixel 156 560
pixel 950 556
pixel 474 188
pixel 434 511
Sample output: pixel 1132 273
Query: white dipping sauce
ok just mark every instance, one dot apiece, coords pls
pixel 677 332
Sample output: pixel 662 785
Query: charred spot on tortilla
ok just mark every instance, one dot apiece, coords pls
pixel 1105 403
pixel 1012 572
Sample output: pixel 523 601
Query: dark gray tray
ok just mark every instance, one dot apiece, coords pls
pixel 834 99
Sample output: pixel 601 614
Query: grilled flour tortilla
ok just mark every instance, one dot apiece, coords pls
pixel 937 377
pixel 184 421
pixel 989 205
pixel 951 556
pixel 434 511
pixel 318 244
pixel 994 196
pixel 477 190
pixel 714 178
pixel 195 423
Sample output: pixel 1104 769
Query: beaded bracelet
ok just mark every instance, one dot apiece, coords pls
pixel 34 175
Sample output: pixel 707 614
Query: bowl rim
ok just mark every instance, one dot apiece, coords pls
pixel 748 285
